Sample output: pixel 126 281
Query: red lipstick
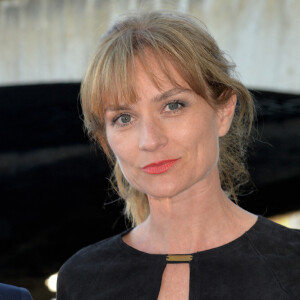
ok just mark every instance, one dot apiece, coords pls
pixel 160 167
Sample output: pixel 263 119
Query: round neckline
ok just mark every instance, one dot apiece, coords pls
pixel 194 254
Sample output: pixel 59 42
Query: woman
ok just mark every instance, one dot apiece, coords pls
pixel 160 99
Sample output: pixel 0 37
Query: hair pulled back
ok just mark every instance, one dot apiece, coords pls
pixel 185 42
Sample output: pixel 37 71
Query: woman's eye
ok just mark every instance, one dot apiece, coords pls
pixel 174 106
pixel 125 119
pixel 122 120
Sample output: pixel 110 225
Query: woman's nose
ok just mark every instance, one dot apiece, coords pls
pixel 152 136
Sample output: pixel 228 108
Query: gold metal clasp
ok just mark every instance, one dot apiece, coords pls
pixel 179 258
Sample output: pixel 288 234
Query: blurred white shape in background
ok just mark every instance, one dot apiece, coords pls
pixel 50 282
pixel 291 220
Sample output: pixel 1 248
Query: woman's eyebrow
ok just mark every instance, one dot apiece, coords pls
pixel 117 108
pixel 169 93
pixel 158 98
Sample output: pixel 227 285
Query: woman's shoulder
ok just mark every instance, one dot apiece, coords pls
pixel 89 261
pixel 268 236
pixel 105 249
pixel 279 250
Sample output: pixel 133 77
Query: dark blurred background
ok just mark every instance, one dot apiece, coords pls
pixel 54 190
pixel 54 183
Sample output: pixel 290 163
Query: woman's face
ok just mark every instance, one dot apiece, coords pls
pixel 167 141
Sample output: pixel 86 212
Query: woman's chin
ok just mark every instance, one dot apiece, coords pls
pixel 164 192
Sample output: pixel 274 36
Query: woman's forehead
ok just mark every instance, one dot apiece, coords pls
pixel 157 67
pixel 161 93
pixel 143 75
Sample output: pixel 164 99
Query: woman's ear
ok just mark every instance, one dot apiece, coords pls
pixel 225 115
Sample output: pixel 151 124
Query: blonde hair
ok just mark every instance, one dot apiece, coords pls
pixel 184 41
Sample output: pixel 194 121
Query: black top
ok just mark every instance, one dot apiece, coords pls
pixel 263 263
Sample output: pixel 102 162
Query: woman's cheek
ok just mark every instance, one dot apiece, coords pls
pixel 114 140
pixel 122 145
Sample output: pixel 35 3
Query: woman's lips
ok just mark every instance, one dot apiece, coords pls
pixel 160 167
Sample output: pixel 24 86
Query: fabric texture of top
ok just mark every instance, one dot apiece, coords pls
pixel 263 263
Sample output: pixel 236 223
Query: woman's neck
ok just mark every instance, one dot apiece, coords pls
pixel 199 219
